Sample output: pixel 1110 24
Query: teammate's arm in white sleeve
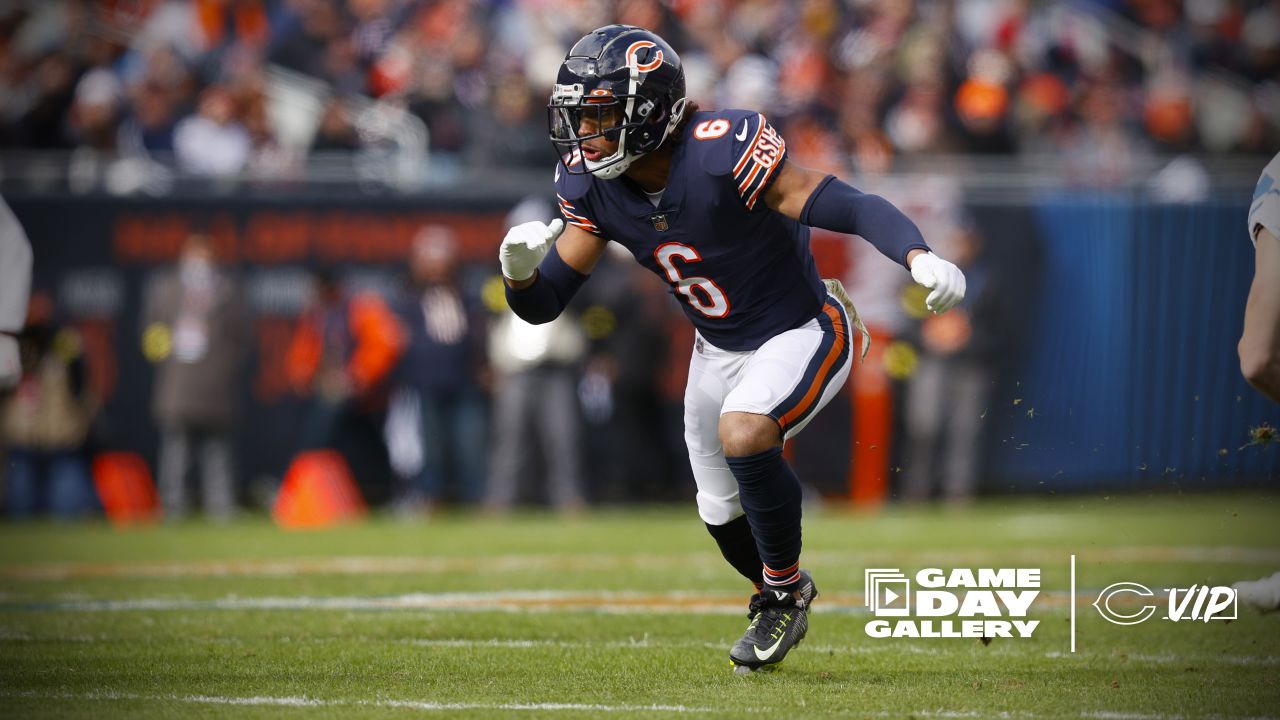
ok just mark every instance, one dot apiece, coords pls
pixel 1260 343
pixel 15 288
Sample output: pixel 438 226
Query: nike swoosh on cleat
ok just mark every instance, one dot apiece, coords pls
pixel 767 653
pixel 743 134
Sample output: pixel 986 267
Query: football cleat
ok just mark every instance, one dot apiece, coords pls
pixel 779 621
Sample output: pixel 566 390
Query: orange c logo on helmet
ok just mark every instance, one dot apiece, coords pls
pixel 633 58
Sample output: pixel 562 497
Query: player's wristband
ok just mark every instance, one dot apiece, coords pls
pixel 552 289
pixel 841 208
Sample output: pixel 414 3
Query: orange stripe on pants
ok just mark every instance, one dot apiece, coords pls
pixel 815 389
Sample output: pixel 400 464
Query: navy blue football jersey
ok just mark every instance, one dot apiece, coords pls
pixel 743 273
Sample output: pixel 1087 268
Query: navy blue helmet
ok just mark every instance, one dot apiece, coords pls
pixel 621 83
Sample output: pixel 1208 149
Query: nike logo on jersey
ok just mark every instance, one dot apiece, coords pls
pixel 742 134
pixel 766 654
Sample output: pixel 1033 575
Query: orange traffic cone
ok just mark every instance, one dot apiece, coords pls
pixel 125 489
pixel 317 492
pixel 872 399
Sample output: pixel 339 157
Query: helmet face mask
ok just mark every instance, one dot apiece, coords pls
pixel 620 90
pixel 601 121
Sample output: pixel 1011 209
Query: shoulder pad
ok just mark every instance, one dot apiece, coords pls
pixel 571 192
pixel 723 136
pixel 743 145
pixel 570 186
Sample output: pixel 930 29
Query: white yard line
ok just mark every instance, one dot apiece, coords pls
pixel 867 648
pixel 496 643
pixel 304 701
pixel 603 602
pixel 1170 659
pixel 1113 715
pixel 567 562
pixel 431 706
pixel 506 601
pixel 622 602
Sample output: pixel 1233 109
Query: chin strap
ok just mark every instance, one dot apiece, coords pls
pixel 677 115
pixel 613 170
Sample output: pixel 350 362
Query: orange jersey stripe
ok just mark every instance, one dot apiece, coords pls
pixel 755 170
pixel 568 211
pixel 824 370
pixel 752 202
pixel 576 218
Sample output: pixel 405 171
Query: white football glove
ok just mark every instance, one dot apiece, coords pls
pixel 943 278
pixel 525 245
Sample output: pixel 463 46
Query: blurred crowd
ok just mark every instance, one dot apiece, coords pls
pixel 216 84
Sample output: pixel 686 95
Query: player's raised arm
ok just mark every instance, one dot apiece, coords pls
pixel 1260 343
pixel 823 201
pixel 542 273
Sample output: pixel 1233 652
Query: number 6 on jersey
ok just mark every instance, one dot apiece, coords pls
pixel 712 301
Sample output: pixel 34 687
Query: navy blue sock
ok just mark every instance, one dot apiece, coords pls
pixel 770 494
pixel 738 546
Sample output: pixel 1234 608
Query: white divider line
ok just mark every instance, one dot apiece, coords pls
pixel 1073 602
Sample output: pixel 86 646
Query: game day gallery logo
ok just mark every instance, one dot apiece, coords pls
pixel 961 603
pixel 996 602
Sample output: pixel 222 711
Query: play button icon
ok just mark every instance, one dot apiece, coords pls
pixel 894 601
pixel 888 592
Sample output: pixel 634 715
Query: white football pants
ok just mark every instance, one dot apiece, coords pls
pixel 789 378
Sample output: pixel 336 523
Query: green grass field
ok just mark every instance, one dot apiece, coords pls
pixel 620 614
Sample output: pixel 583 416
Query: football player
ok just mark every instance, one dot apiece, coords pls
pixel 1260 342
pixel 708 202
